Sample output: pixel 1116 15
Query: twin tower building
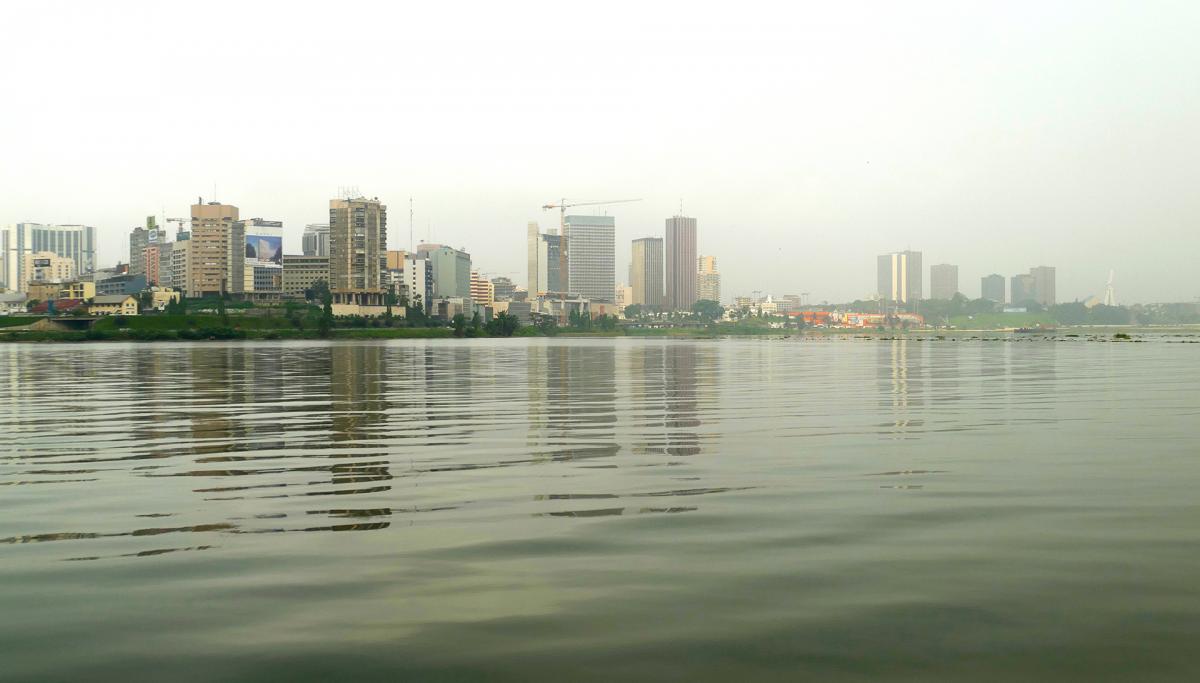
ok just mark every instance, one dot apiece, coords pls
pixel 581 260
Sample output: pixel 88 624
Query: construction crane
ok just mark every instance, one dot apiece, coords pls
pixel 181 221
pixel 562 207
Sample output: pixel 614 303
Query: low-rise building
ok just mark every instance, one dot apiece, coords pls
pixel 302 272
pixel 79 289
pixel 12 303
pixel 114 304
pixel 161 296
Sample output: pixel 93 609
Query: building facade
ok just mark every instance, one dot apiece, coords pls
pixel 256 260
pixel 315 241
pixel 708 279
pixel 482 291
pixel 943 281
pixel 590 243
pixel 209 254
pixel 899 277
pixel 646 272
pixel 502 288
pixel 76 242
pixel 46 266
pixel 991 287
pixel 357 254
pixel 302 272
pixel 1044 285
pixel 1022 289
pixel 451 273
pixel 680 266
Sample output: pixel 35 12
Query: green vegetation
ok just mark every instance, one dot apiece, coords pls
pixel 18 320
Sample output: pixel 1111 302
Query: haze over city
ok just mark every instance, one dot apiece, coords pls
pixel 805 141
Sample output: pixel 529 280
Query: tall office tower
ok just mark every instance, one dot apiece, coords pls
pixel 502 288
pixel 1043 285
pixel 943 281
pixel 900 277
pixel 590 242
pixel 991 287
pixel 708 279
pixel 357 250
pixel 680 271
pixel 646 272
pixel 76 242
pixel 451 272
pixel 533 240
pixel 315 241
pixel 1023 288
pixel 181 264
pixel 482 291
pixel 256 256
pixel 550 262
pixel 166 275
pixel 139 239
pixel 211 234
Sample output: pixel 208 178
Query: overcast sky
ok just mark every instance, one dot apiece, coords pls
pixel 805 137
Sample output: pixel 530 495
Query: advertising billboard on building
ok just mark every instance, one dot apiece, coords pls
pixel 265 249
pixel 41 263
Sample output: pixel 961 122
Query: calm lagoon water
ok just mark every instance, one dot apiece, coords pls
pixel 609 509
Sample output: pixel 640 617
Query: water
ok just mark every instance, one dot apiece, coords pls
pixel 763 509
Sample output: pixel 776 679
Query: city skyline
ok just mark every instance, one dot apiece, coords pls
pixel 1038 156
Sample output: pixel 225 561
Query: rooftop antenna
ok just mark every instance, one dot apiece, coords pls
pixel 410 224
pixel 681 206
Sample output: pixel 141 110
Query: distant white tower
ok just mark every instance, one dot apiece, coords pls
pixel 1110 299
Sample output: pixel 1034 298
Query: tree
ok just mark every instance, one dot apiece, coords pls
pixel 325 324
pixel 608 323
pixel 548 325
pixel 317 291
pixel 633 311
pixel 145 300
pixel 459 323
pixel 708 309
pixel 503 325
pixel 389 299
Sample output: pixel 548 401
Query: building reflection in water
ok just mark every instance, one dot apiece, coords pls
pixel 572 401
pixel 664 396
pixel 902 378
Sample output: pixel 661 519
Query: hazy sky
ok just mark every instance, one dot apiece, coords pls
pixel 805 137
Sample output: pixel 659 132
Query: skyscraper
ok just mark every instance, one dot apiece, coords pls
pixel 482 291
pixel 1023 288
pixel 646 272
pixel 139 239
pixel 591 256
pixel 680 268
pixel 315 241
pixel 899 277
pixel 357 251
pixel 502 288
pixel 943 281
pixel 533 239
pixel 708 279
pixel 451 272
pixel 256 256
pixel 1043 285
pixel 209 253
pixel 991 287
pixel 76 242
pixel 544 256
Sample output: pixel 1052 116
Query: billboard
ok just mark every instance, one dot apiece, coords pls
pixel 264 249
pixel 41 263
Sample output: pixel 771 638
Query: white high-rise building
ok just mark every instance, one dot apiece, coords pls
pixel 590 243
pixel 315 241
pixel 900 277
pixel 76 242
